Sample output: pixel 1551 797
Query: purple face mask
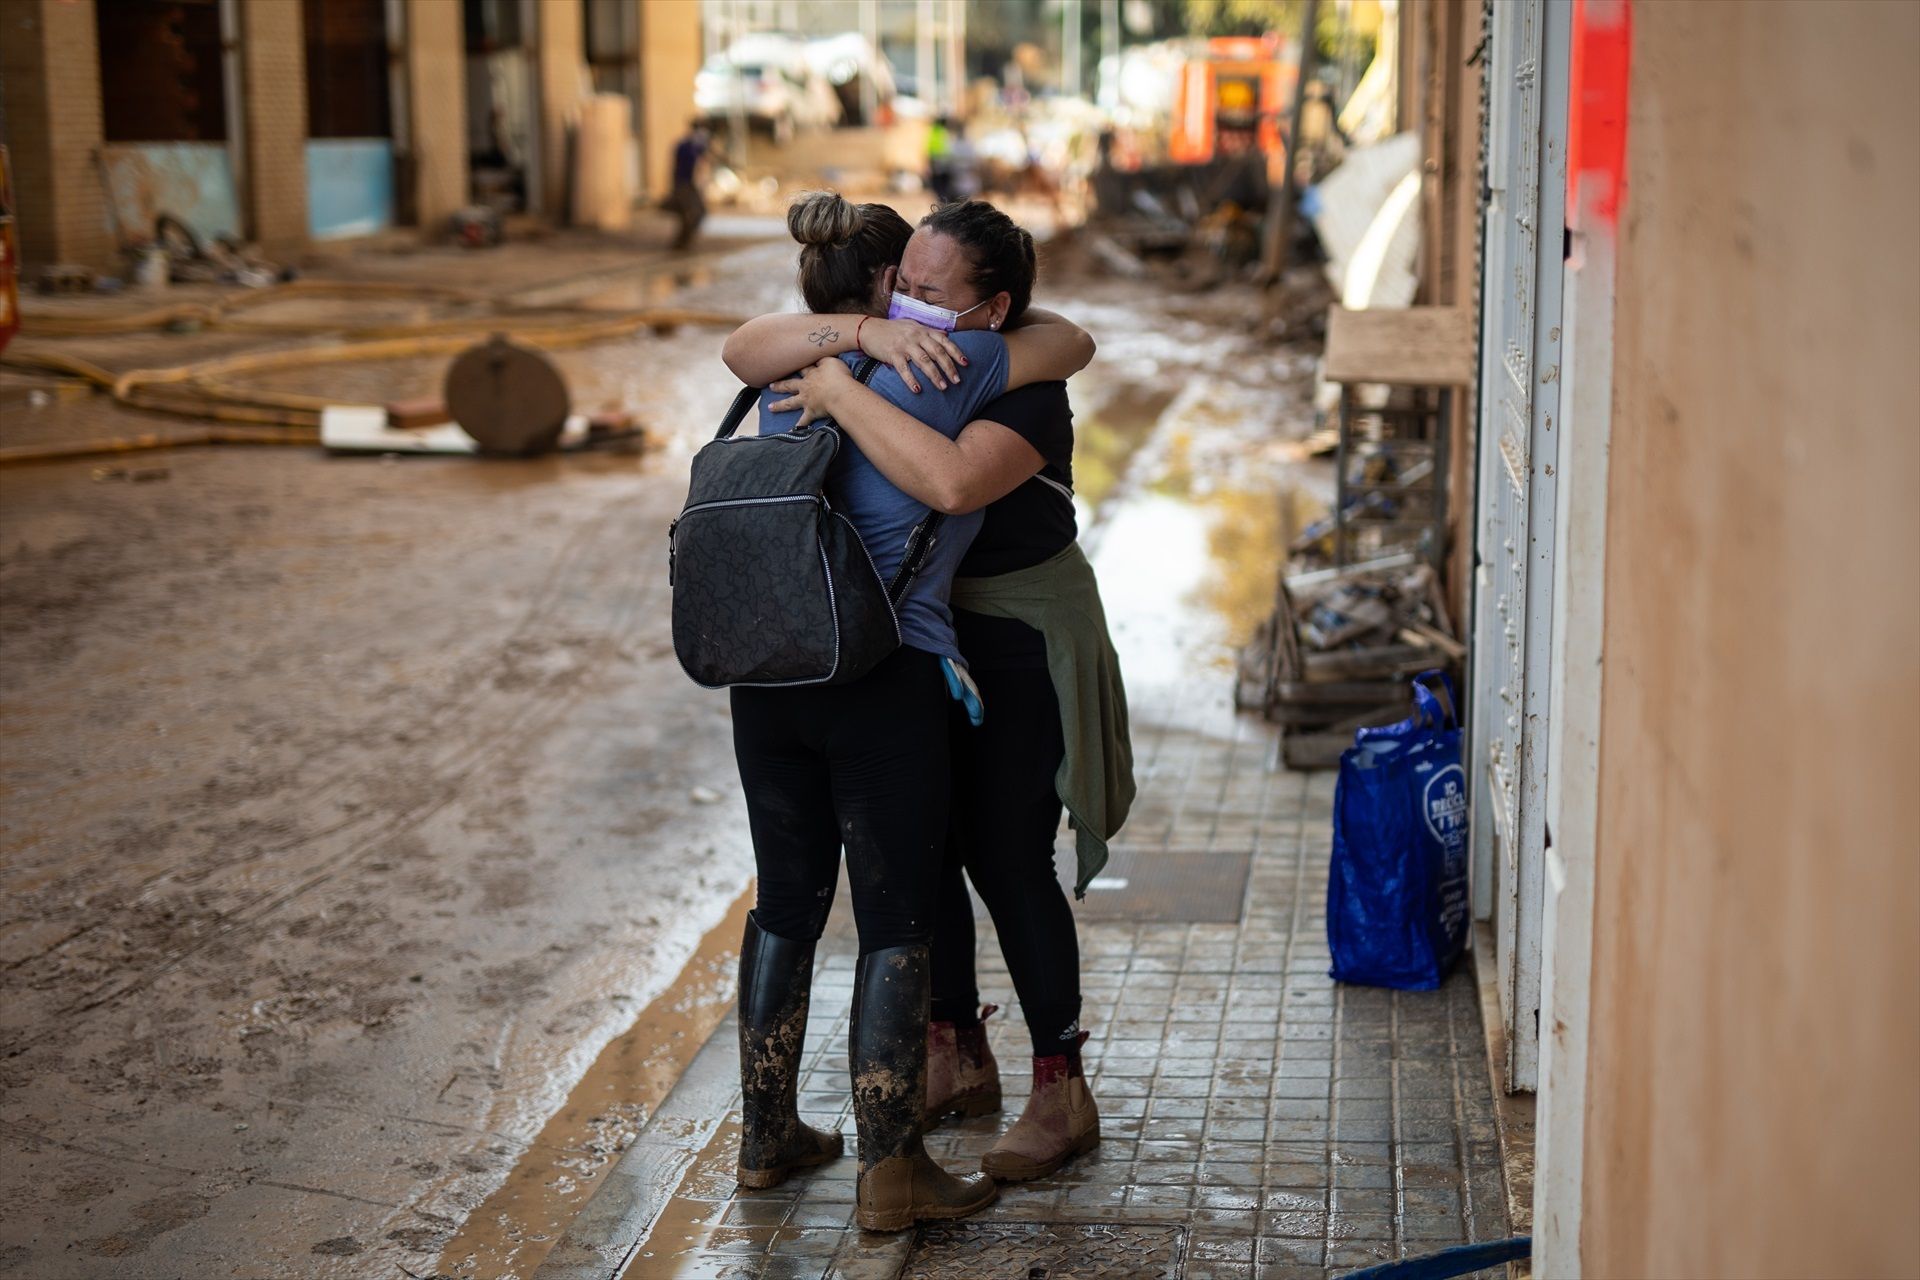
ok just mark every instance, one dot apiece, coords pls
pixel 904 307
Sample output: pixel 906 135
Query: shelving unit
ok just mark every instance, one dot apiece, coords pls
pixel 1391 457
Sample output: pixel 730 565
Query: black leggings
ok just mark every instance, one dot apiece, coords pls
pixel 863 765
pixel 1005 816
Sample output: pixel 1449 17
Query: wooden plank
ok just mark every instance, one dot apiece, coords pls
pixel 1322 749
pixel 1301 693
pixel 1414 347
pixel 1421 633
pixel 1377 662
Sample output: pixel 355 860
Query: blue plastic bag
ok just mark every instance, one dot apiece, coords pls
pixel 1397 891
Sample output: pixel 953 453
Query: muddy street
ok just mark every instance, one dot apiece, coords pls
pixel 371 866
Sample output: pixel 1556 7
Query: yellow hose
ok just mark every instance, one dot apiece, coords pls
pixel 216 314
pixel 17 455
pixel 200 390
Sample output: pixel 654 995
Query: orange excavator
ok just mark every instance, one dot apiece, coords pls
pixel 1231 100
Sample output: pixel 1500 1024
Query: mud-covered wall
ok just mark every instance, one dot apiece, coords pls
pixel 50 89
pixel 669 58
pixel 437 110
pixel 561 49
pixel 1439 92
pixel 274 102
pixel 1754 1088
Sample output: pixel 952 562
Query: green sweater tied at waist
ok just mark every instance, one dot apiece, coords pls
pixel 1060 599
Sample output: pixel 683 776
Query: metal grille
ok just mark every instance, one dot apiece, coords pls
pixel 1046 1251
pixel 1519 411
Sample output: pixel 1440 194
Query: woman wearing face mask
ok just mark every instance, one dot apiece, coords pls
pixel 1028 616
pixel 864 765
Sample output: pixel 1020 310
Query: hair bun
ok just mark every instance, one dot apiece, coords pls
pixel 822 217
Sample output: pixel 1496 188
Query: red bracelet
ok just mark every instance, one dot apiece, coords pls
pixel 856 334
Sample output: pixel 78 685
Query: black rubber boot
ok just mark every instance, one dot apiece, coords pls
pixel 776 978
pixel 899 1182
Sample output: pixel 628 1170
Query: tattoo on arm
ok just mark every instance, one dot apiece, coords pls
pixel 822 336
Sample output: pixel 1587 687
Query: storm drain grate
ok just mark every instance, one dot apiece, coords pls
pixel 1163 886
pixel 1045 1251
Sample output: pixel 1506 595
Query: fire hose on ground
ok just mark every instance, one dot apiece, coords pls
pixel 245 415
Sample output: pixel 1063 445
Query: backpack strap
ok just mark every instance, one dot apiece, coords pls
pixel 920 541
pixel 737 411
pixel 919 545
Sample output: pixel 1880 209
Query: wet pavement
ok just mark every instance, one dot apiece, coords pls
pixel 372 870
pixel 1257 1120
pixel 356 815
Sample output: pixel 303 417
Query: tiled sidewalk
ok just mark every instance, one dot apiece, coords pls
pixel 1257 1120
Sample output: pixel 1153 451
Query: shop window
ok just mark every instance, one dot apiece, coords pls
pixel 160 72
pixel 492 25
pixel 612 38
pixel 347 82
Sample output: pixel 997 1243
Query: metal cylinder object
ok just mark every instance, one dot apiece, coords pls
pixel 509 398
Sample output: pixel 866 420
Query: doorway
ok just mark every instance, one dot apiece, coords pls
pixel 503 135
pixel 350 144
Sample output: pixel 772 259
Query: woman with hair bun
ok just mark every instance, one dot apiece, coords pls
pixel 1028 617
pixel 864 766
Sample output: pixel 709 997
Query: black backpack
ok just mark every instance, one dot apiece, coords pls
pixel 771 585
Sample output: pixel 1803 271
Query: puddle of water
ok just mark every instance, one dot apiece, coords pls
pixel 1196 494
pixel 687 1223
pixel 1105 440
pixel 512 1231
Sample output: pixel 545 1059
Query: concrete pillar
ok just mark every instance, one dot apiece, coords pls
pixel 670 55
pixel 561 58
pixel 273 70
pixel 50 73
pixel 436 110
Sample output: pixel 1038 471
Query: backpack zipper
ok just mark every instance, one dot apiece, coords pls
pixel 794 435
pixel 875 569
pixel 717 503
pixel 826 573
pixel 673 526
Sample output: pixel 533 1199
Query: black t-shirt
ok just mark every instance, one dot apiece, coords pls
pixel 1027 526
pixel 1036 520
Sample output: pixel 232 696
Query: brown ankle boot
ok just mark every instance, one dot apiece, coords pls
pixel 899 1184
pixel 962 1077
pixel 776 977
pixel 1059 1123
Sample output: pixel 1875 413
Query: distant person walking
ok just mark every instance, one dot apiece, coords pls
pixel 940 160
pixel 690 161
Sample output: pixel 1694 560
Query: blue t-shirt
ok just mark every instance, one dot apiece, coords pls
pixel 882 514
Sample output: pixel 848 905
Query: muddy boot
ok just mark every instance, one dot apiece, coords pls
pixel 1059 1123
pixel 776 976
pixel 899 1182
pixel 962 1077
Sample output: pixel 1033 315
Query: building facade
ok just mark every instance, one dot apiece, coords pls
pixel 1693 559
pixel 286 121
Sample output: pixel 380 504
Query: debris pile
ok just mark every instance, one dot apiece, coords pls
pixel 1337 651
pixel 177 255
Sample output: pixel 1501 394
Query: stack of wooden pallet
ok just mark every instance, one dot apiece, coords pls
pixel 1339 651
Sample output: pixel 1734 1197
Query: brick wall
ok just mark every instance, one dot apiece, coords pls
pixel 50 69
pixel 669 57
pixel 274 92
pixel 436 110
pixel 560 48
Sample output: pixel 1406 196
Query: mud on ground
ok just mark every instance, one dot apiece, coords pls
pixel 350 807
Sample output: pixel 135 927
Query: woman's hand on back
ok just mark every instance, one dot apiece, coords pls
pixel 815 389
pixel 902 343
